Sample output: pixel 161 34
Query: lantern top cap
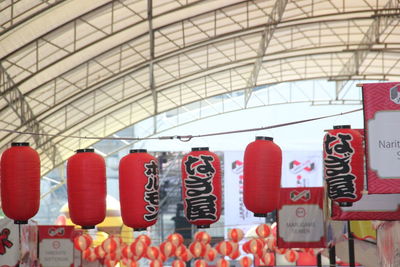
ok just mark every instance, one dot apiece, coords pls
pixel 200 149
pixel 138 151
pixel 85 150
pixel 342 127
pixel 20 144
pixel 264 138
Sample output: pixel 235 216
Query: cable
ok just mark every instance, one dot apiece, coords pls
pixel 183 138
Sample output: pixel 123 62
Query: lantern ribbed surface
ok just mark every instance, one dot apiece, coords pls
pixel 139 189
pixel 343 154
pixel 86 179
pixel 201 187
pixel 20 182
pixel 262 176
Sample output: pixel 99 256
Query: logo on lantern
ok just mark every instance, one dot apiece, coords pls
pixel 339 176
pixel 151 195
pixel 200 200
pixel 305 195
pixel 395 94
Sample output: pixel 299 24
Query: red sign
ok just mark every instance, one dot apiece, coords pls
pixel 300 218
pixel 382 125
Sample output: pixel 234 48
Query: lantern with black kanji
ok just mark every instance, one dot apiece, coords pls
pixel 344 164
pixel 86 180
pixel 201 187
pixel 262 176
pixel 139 189
pixel 20 182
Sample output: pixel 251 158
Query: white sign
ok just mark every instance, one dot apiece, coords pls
pixel 384 144
pixel 302 223
pixel 56 252
pixel 9 242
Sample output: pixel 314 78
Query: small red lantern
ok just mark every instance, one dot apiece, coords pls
pixel 180 249
pixel 110 263
pixel 201 187
pixel 86 176
pixel 256 246
pixel 271 243
pixel 185 255
pixel 167 248
pixel 139 189
pixel 197 249
pixel 222 263
pixel 262 176
pixel 235 234
pixel 152 253
pixel 178 263
pixel 145 239
pixel 202 237
pixel 200 263
pixel 263 230
pixel 156 263
pixel 176 239
pixel 291 255
pixel 344 165
pixel 268 259
pixel 20 182
pixel 235 254
pixel 89 254
pixel 245 261
pixel 127 252
pixel 132 263
pixel 82 242
pixel 224 248
pixel 211 254
pixel 138 248
pixel 99 251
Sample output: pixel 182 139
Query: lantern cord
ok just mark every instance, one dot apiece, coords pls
pixel 184 138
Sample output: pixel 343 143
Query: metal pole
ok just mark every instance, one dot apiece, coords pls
pixel 352 261
pixel 319 259
pixel 332 256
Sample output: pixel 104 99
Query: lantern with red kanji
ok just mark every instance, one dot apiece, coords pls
pixel 344 165
pixel 20 182
pixel 262 176
pixel 139 189
pixel 201 187
pixel 86 180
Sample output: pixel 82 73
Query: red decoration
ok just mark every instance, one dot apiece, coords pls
pixel 178 263
pixel 306 259
pixel 201 187
pixel 344 165
pixel 263 230
pixel 138 248
pixel 167 248
pixel 262 176
pixel 291 255
pixel 202 237
pixel 256 246
pixel 222 263
pixel 152 253
pixel 132 263
pixel 245 261
pixel 82 242
pixel 176 239
pixel 235 254
pixel 145 239
pixel 224 248
pixel 139 189
pixel 99 251
pixel 197 249
pixel 110 263
pixel 20 182
pixel 110 245
pixel 269 259
pixel 200 263
pixel 180 249
pixel 156 263
pixel 86 177
pixel 235 234
pixel 185 255
pixel 127 252
pixel 211 254
pixel 89 254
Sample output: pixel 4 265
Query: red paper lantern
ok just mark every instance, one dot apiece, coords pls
pixel 344 165
pixel 110 245
pixel 178 263
pixel 20 182
pixel 269 259
pixel 127 252
pixel 138 248
pixel 167 248
pixel 224 248
pixel 145 239
pixel 132 263
pixel 222 263
pixel 110 263
pixel 263 230
pixel 235 234
pixel 202 237
pixel 200 263
pixel 262 176
pixel 185 255
pixel 245 261
pixel 211 254
pixel 152 253
pixel 82 242
pixel 197 249
pixel 256 246
pixel 89 254
pixel 176 239
pixel 201 187
pixel 86 176
pixel 235 254
pixel 139 189
pixel 180 249
pixel 156 263
pixel 99 251
pixel 291 255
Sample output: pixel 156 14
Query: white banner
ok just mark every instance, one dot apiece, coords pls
pixel 302 169
pixel 9 243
